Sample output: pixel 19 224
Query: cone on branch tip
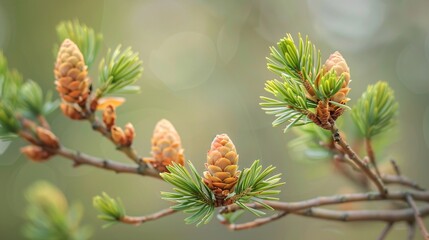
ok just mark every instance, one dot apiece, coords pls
pixel 166 146
pixel 71 74
pixel 221 175
pixel 47 138
pixel 325 110
pixel 337 63
pixel 36 153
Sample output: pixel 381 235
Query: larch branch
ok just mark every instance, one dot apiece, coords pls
pixel 418 217
pixel 356 159
pixel 85 159
pixel 142 219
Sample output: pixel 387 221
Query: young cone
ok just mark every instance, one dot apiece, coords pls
pixel 221 175
pixel 72 81
pixel 166 146
pixel 339 64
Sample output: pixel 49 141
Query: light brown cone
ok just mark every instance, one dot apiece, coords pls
pixel 71 74
pixel 221 175
pixel 47 138
pixel 166 146
pixel 337 62
pixel 35 153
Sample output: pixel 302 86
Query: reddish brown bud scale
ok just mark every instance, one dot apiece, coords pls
pixel 36 153
pixel 109 116
pixel 47 138
pixel 166 146
pixel 71 112
pixel 118 136
pixel 129 133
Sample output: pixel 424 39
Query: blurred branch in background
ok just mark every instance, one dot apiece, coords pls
pixel 49 215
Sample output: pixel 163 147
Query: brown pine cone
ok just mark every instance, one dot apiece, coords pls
pixel 166 146
pixel 222 174
pixel 71 74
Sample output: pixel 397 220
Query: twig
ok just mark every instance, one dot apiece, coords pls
pixel 43 122
pixel 129 151
pixel 363 215
pixel 385 231
pixel 411 230
pixel 255 223
pixel 371 155
pixel 401 180
pixel 353 156
pixel 84 159
pixel 331 200
pixel 418 217
pixel 142 219
pixel 395 167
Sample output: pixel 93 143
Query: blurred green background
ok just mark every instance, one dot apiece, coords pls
pixel 205 70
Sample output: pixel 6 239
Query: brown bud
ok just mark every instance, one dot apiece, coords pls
pixel 47 138
pixel 71 111
pixel 118 136
pixel 109 116
pixel 129 133
pixel 221 175
pixel 72 81
pixel 166 146
pixel 36 153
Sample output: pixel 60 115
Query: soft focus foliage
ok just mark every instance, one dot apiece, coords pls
pixel 50 217
pixel 111 210
pixel 375 110
pixel 86 38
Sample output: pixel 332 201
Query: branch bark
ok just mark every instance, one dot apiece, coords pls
pixel 142 219
pixel 85 159
pixel 356 159
pixel 418 217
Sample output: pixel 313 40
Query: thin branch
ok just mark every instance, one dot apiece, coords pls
pixel 411 230
pixel 371 155
pixel 85 159
pixel 356 159
pixel 401 180
pixel 142 219
pixel 42 120
pixel 331 200
pixel 129 151
pixel 418 217
pixel 363 215
pixel 395 167
pixel 255 223
pixel 385 231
